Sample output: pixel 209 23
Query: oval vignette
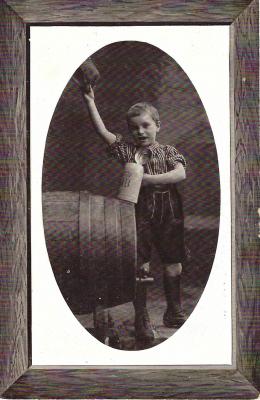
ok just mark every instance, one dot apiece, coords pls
pixel 81 180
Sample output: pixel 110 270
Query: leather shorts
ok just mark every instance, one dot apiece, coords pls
pixel 160 223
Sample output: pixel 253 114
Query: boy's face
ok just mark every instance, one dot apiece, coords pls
pixel 144 129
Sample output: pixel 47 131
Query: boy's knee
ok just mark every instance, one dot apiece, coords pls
pixel 173 270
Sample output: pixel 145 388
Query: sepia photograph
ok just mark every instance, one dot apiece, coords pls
pixel 131 195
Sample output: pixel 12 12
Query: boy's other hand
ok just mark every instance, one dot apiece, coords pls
pixel 145 180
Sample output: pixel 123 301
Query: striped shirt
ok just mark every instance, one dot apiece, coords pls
pixel 158 158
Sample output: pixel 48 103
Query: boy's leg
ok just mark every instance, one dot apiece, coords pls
pixel 143 329
pixel 174 316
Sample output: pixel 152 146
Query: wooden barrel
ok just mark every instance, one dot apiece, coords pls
pixel 91 242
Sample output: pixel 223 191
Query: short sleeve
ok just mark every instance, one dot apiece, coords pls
pixel 121 150
pixel 173 157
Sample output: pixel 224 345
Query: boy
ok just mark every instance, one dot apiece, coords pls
pixel 159 216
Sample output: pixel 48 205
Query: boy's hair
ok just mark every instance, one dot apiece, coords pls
pixel 139 108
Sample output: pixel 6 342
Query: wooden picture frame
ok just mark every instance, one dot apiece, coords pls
pixel 18 378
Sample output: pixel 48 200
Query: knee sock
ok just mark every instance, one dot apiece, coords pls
pixel 172 292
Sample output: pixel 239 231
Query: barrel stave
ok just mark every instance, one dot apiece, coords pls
pixel 91 242
pixel 61 227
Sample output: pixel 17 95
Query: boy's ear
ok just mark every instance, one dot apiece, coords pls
pixel 158 123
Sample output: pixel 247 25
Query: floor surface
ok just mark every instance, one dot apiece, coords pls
pixel 201 238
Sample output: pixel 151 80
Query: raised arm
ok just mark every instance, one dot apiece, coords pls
pixel 174 176
pixel 89 97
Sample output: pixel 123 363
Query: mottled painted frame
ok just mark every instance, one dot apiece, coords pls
pixel 19 379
